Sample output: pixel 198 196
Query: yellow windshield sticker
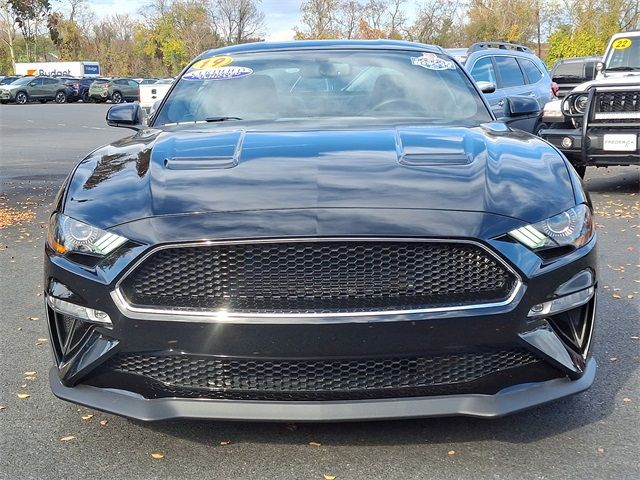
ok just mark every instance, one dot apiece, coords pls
pixel 213 62
pixel 621 43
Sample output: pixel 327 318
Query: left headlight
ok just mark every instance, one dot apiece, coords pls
pixel 573 227
pixel 68 235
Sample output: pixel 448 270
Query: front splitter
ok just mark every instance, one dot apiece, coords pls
pixel 509 400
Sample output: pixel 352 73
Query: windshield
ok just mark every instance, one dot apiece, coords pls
pixel 624 54
pixel 352 85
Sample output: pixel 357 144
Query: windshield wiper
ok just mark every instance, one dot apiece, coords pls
pixel 622 69
pixel 221 119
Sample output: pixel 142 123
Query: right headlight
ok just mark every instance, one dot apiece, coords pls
pixel 573 227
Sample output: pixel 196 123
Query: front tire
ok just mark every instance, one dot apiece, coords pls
pixel 116 97
pixel 61 97
pixel 21 98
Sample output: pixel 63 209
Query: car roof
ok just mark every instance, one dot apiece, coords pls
pixel 633 33
pixel 320 44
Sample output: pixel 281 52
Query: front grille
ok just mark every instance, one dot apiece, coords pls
pixel 212 377
pixel 319 277
pixel 619 106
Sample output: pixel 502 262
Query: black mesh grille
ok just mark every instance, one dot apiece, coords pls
pixel 190 376
pixel 618 102
pixel 319 277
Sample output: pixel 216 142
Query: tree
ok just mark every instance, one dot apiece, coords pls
pixel 30 15
pixel 238 21
pixel 505 20
pixel 587 26
pixel 8 31
pixel 319 20
pixel 437 23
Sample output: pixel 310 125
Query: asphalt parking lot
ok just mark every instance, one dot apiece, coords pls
pixel 595 434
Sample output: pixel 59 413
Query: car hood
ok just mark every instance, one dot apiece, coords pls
pixel 611 80
pixel 488 169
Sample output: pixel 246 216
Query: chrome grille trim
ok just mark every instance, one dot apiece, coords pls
pixel 210 316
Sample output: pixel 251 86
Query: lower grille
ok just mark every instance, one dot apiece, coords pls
pixel 319 277
pixel 209 377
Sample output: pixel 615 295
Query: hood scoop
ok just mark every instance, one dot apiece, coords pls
pixel 195 151
pixel 446 148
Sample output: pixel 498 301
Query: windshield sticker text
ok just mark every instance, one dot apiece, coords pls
pixel 212 62
pixel 220 73
pixel 621 43
pixel 433 62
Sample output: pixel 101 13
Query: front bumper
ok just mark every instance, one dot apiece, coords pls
pixel 587 150
pixel 507 401
pixel 154 367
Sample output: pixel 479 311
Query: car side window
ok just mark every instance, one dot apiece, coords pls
pixel 133 83
pixel 483 71
pixel 50 81
pixel 510 73
pixel 534 75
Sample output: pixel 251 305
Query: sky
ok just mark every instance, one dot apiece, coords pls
pixel 280 15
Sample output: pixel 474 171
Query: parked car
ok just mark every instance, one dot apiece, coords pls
pixel 273 247
pixel 9 79
pixel 117 90
pixel 505 70
pixel 74 84
pixel 571 72
pixel 597 123
pixel 28 89
pixel 152 94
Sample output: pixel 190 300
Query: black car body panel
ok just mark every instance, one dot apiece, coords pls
pixel 167 173
pixel 332 229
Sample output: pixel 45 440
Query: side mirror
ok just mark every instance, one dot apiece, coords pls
pixel 33 84
pixel 599 66
pixel 486 87
pixel 520 106
pixel 126 115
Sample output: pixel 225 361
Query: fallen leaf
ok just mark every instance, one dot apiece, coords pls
pixel 88 416
pixel 451 452
pixel 42 340
pixel 616 295
pixel 314 444
pixel 600 450
pixel 104 423
pixel 23 395
pixel 29 378
pixel 329 477
pixel 626 400
pixel 33 318
pixel 2 407
pixel 157 456
pixel 613 359
pixel 24 385
pixel 629 296
pixel 224 443
pixel 68 438
pixel 29 374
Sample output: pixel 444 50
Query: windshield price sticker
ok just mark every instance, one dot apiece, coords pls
pixel 213 62
pixel 220 73
pixel 433 62
pixel 621 43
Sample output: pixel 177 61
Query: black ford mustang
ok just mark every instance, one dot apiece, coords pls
pixel 321 231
